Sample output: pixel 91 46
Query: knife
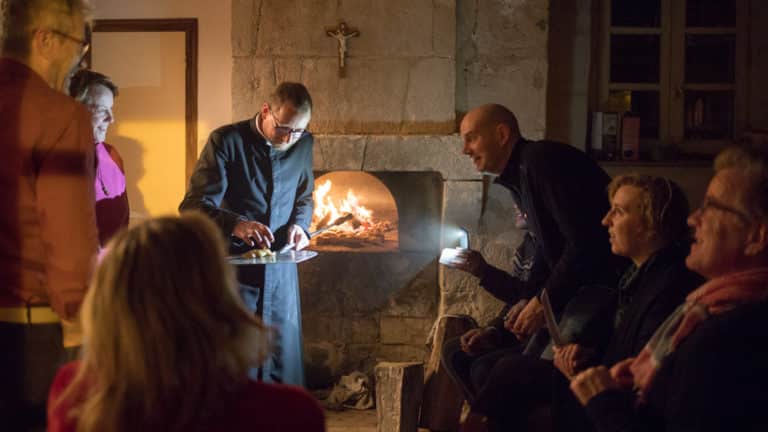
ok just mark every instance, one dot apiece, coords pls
pixel 338 221
pixel 549 318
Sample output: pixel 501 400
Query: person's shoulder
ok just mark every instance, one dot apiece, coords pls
pixel 288 405
pixel 741 329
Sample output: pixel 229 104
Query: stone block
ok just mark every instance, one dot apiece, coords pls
pixel 297 28
pixel 462 295
pixel 402 353
pixel 325 328
pixel 252 81
pixel 245 26
pixel 420 153
pixel 323 363
pixel 419 298
pixel 408 331
pixel 364 330
pixel 431 86
pixel 399 389
pixel 462 206
pixel 518 84
pixel 394 28
pixel 444 28
pixel 515 27
pixel 369 100
pixel 339 152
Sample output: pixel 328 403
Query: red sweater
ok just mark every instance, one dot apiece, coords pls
pixel 259 407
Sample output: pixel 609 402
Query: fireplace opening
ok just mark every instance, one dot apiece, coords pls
pixel 375 300
pixel 366 207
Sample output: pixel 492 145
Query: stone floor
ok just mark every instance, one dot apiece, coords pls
pixel 351 421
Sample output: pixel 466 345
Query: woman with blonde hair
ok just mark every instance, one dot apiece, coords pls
pixel 168 343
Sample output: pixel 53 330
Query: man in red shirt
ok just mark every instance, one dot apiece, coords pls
pixel 48 237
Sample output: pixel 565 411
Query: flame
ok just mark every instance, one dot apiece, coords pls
pixel 326 210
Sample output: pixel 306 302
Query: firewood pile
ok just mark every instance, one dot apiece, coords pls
pixel 357 233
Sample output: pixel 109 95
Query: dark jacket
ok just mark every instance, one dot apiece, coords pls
pixel 659 286
pixel 716 380
pixel 563 193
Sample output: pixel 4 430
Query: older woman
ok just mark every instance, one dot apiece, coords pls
pixel 168 343
pixel 646 223
pixel 97 92
pixel 706 367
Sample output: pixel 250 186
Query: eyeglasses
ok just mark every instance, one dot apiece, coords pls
pixel 284 130
pixel 712 204
pixel 84 45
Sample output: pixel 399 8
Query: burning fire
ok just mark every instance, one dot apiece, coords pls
pixel 326 211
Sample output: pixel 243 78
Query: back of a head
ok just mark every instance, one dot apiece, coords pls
pixel 82 81
pixel 295 93
pixel 493 114
pixel 163 319
pixel 22 17
pixel 750 158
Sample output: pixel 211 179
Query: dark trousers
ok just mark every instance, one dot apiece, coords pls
pixel 30 355
pixel 470 372
pixel 517 385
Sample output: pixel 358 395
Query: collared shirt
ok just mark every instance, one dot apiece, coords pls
pixel 48 237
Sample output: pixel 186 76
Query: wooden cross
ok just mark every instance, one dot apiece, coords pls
pixel 341 34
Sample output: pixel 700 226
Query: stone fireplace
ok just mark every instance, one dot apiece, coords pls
pixel 390 121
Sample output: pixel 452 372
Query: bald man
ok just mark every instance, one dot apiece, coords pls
pixel 561 193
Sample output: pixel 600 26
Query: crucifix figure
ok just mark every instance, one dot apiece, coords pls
pixel 341 34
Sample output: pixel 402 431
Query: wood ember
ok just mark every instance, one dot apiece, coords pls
pixel 363 233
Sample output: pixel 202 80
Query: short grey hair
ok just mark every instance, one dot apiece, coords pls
pixel 750 157
pixel 22 17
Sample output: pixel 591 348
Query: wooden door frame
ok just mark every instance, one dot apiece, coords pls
pixel 189 27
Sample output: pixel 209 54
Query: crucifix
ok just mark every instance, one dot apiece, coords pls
pixel 341 34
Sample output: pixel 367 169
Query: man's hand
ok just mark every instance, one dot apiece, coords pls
pixel 622 374
pixel 254 234
pixel 591 383
pixel 470 261
pixel 513 313
pixel 479 340
pixel 297 238
pixel 531 319
pixel 571 359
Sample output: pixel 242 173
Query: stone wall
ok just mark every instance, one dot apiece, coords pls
pixel 415 65
pixel 502 57
pixel 400 71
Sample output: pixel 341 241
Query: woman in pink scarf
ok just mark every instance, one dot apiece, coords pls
pixel 706 367
pixel 98 92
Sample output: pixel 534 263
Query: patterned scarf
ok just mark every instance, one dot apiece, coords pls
pixel 714 297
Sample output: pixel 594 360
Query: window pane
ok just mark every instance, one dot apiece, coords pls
pixel 710 13
pixel 635 58
pixel 644 104
pixel 710 58
pixel 636 13
pixel 708 114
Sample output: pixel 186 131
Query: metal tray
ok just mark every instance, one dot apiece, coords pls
pixel 287 257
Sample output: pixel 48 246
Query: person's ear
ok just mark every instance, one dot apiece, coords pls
pixel 44 44
pixel 757 240
pixel 502 133
pixel 264 109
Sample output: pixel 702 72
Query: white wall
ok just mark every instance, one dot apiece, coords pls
pixel 214 49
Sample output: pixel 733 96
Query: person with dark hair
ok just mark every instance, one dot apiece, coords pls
pixel 647 224
pixel 168 343
pixel 706 367
pixel 97 92
pixel 48 238
pixel 254 179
